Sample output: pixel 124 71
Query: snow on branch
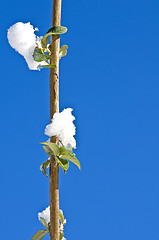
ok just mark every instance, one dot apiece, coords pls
pixel 44 217
pixel 62 125
pixel 22 38
pixel 36 50
pixel 45 214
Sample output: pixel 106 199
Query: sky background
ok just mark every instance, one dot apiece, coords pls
pixel 110 78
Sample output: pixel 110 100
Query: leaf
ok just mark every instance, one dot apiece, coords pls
pixel 63 151
pixel 61 235
pixel 51 148
pixel 48 150
pixel 39 235
pixel 47 66
pixel 69 150
pixel 52 31
pixel 39 55
pixel 56 30
pixel 64 164
pixel 63 51
pixel 72 159
pixel 61 217
pixel 44 223
pixel 44 166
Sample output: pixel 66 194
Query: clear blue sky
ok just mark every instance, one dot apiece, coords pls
pixel 110 78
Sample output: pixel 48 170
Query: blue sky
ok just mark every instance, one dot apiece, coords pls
pixel 110 78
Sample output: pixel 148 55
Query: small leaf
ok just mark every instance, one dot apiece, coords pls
pixel 48 66
pixel 44 223
pixel 51 148
pixel 69 150
pixel 56 30
pixel 39 235
pixel 63 151
pixel 63 51
pixel 44 166
pixel 52 31
pixel 61 217
pixel 48 150
pixel 72 159
pixel 64 164
pixel 61 235
pixel 39 55
pixel 44 42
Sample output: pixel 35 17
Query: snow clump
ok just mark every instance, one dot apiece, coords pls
pixel 45 214
pixel 62 125
pixel 22 38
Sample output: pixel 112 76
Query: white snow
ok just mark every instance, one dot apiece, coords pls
pixel 45 214
pixel 62 125
pixel 22 38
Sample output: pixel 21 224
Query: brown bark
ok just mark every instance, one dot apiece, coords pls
pixel 54 107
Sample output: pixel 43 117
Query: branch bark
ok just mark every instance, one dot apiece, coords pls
pixel 54 107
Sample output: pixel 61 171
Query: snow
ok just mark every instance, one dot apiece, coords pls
pixel 62 125
pixel 45 214
pixel 22 38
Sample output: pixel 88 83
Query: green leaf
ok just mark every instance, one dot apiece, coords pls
pixel 56 30
pixel 69 150
pixel 44 223
pixel 39 55
pixel 61 217
pixel 61 235
pixel 39 235
pixel 51 148
pixel 47 150
pixel 47 66
pixel 63 51
pixel 44 42
pixel 72 159
pixel 52 31
pixel 44 166
pixel 63 151
pixel 64 164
